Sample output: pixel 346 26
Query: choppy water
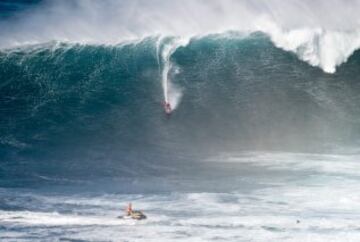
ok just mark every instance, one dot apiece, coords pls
pixel 287 197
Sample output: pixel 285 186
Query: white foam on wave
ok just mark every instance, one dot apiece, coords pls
pixel 325 163
pixel 319 47
pixel 324 35
pixel 263 215
pixel 55 219
pixel 165 48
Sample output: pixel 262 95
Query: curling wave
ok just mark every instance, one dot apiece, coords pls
pixel 86 109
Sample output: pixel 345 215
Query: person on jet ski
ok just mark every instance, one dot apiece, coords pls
pixel 137 215
pixel 129 210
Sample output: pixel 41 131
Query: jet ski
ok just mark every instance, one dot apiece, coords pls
pixel 135 215
pixel 138 215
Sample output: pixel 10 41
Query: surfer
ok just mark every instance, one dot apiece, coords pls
pixel 167 107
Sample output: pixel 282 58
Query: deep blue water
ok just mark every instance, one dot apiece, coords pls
pixel 9 8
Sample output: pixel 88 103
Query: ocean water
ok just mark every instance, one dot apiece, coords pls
pixel 259 197
pixel 262 143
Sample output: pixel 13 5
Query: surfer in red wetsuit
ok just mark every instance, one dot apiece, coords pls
pixel 167 107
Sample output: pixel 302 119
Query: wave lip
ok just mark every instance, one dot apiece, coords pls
pixel 318 47
pixel 303 27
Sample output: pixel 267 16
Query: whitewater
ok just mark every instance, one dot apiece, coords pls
pixel 262 143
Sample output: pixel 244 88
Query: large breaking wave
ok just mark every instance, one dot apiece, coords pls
pixel 324 35
pixel 82 95
pixel 65 103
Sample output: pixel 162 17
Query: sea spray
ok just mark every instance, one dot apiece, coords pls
pixel 165 48
pixel 323 35
pixel 317 46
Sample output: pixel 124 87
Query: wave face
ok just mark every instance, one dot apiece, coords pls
pixel 91 110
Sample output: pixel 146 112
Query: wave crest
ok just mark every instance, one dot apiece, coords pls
pixel 306 28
